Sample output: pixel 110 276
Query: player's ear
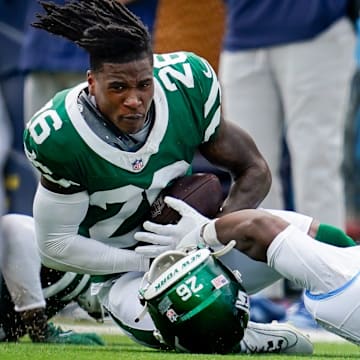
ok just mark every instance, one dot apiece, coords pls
pixel 91 82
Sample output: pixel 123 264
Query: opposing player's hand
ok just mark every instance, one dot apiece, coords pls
pixel 167 237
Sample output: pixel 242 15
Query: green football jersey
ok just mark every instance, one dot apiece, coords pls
pixel 122 185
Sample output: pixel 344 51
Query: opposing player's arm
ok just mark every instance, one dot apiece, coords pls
pixel 235 151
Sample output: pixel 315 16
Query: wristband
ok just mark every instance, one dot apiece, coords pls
pixel 208 234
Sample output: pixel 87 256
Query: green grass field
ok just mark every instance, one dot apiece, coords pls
pixel 121 348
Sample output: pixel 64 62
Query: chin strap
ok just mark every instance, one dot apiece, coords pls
pixel 160 264
pixel 225 249
pixel 142 313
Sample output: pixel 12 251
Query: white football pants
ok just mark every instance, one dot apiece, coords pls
pixel 330 274
pixel 21 263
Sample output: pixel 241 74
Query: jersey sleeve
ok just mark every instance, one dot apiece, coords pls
pixel 191 83
pixel 208 87
pixel 49 144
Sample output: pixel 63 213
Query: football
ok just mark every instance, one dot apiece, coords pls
pixel 202 191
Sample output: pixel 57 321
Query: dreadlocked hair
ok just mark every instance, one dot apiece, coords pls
pixel 106 29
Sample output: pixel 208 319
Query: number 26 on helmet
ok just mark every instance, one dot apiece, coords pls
pixel 196 303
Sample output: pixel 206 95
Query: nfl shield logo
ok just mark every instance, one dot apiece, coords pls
pixel 137 164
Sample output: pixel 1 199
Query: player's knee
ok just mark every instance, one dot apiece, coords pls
pixel 18 231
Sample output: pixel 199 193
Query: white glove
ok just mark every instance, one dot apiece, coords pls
pixel 167 237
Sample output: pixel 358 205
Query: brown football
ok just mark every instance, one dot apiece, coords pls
pixel 202 191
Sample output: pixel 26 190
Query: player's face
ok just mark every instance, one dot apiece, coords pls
pixel 123 92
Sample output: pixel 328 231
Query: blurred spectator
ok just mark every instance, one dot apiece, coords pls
pixel 4 149
pixel 12 14
pixel 19 179
pixel 351 164
pixel 285 70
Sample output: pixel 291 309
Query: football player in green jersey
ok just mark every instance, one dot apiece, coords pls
pixel 107 147
pixel 31 294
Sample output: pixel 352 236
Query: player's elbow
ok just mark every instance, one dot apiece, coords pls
pixel 53 252
pixel 264 175
pixel 49 261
